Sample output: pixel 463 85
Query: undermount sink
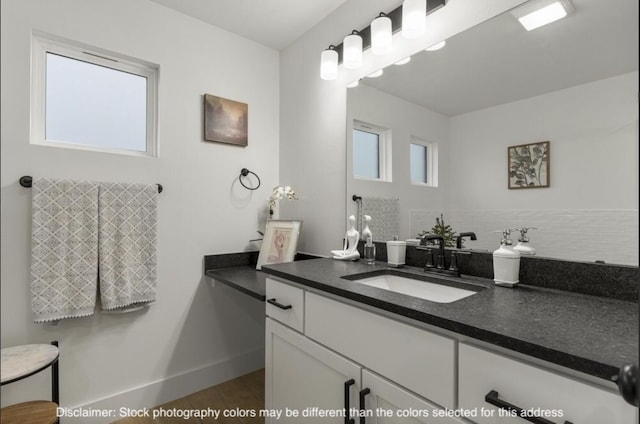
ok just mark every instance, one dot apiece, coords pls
pixel 421 286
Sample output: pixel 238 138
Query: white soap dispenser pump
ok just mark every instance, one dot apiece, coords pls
pixel 506 262
pixel 523 246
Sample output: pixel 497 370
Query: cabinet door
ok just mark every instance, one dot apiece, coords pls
pixel 305 378
pixel 487 378
pixel 392 404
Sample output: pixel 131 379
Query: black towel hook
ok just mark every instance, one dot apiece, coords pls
pixel 243 173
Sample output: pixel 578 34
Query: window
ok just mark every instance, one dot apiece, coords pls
pixel 424 163
pixel 90 99
pixel 371 152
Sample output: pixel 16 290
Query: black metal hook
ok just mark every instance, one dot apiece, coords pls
pixel 27 181
pixel 243 173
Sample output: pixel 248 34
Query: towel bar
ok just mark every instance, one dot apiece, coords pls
pixel 27 181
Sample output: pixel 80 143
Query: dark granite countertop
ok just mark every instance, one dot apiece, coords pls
pixel 244 278
pixel 593 335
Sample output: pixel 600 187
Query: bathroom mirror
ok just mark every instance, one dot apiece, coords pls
pixel 573 83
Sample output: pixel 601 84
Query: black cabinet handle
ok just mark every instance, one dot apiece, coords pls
pixel 628 384
pixel 363 393
pixel 279 305
pixel 347 402
pixel 493 399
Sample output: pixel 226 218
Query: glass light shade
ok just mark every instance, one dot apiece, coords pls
pixel 329 65
pixel 376 74
pixel 403 61
pixel 414 13
pixel 381 35
pixel 353 84
pixel 352 51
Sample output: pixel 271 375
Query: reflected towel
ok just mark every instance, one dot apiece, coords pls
pixel 127 244
pixel 385 213
pixel 64 248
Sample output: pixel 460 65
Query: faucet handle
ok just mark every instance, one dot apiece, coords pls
pixel 453 266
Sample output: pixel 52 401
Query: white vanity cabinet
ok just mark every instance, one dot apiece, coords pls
pixel 535 390
pixel 338 356
pixel 319 344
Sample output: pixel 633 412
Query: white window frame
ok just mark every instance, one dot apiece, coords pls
pixel 384 150
pixel 44 43
pixel 432 162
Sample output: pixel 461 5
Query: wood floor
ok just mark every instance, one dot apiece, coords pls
pixel 245 393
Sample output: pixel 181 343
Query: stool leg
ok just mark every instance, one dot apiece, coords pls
pixel 55 383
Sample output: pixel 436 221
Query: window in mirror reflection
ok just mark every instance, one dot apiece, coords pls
pixel 371 159
pixel 423 156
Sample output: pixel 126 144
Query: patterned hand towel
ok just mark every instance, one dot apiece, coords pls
pixel 64 249
pixel 385 217
pixel 127 244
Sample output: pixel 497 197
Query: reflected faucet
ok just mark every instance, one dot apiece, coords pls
pixel 470 234
pixel 440 258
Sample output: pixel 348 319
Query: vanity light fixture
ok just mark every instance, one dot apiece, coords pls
pixel 329 63
pixel 436 46
pixel 376 74
pixel 409 18
pixel 353 84
pixel 403 61
pixel 381 34
pixel 542 12
pixel 352 49
pixel 414 14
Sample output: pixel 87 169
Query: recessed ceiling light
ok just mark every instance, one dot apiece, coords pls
pixel 542 12
pixel 376 74
pixel 436 46
pixel 403 61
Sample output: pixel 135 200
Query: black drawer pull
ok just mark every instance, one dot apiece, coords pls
pixel 347 402
pixel 493 399
pixel 363 393
pixel 277 304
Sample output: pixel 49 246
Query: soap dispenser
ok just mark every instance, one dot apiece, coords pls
pixel 523 245
pixel 369 247
pixel 506 262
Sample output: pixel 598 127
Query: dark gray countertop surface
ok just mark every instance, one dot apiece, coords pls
pixel 244 278
pixel 590 334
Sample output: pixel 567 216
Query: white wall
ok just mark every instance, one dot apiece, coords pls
pixel 202 334
pixel 312 119
pixel 590 211
pixel 404 120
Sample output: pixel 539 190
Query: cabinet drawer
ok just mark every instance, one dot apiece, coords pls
pixel 530 388
pixel 414 358
pixel 285 303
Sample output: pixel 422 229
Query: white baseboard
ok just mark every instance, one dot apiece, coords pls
pixel 112 408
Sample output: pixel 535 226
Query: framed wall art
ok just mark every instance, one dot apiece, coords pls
pixel 280 242
pixel 529 165
pixel 226 121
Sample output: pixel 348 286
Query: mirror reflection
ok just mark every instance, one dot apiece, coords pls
pixel 431 138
